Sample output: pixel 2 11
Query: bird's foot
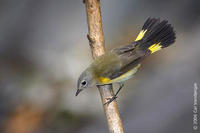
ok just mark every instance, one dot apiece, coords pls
pixel 110 100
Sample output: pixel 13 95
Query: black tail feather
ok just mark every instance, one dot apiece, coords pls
pixel 157 32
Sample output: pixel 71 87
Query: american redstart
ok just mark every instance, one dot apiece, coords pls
pixel 120 64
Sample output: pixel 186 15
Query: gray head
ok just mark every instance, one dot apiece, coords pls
pixel 85 81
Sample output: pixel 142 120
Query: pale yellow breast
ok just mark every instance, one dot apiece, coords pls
pixel 126 75
pixel 123 77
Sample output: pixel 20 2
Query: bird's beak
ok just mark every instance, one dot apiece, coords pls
pixel 78 91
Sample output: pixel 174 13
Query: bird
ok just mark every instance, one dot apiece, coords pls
pixel 121 63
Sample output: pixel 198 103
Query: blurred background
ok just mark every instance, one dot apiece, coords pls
pixel 43 49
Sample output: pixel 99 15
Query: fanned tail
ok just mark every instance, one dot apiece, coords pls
pixel 156 35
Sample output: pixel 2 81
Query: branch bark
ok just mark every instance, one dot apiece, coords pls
pixel 96 41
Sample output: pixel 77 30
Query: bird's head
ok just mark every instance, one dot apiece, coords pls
pixel 86 80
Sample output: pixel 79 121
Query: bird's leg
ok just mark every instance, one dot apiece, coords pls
pixel 115 96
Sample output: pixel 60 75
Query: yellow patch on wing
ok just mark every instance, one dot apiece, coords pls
pixel 140 35
pixel 155 47
pixel 104 80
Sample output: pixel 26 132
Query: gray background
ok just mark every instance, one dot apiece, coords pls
pixel 43 49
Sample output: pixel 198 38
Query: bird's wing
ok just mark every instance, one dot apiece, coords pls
pixel 117 62
pixel 126 48
pixel 130 56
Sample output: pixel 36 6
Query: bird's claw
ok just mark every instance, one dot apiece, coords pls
pixel 110 100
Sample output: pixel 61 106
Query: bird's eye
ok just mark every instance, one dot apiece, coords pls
pixel 84 83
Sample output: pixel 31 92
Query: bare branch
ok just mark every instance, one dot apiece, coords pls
pixel 96 41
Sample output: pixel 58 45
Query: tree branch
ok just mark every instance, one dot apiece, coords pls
pixel 96 41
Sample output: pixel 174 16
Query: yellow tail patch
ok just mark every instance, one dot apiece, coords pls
pixel 155 47
pixel 141 35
